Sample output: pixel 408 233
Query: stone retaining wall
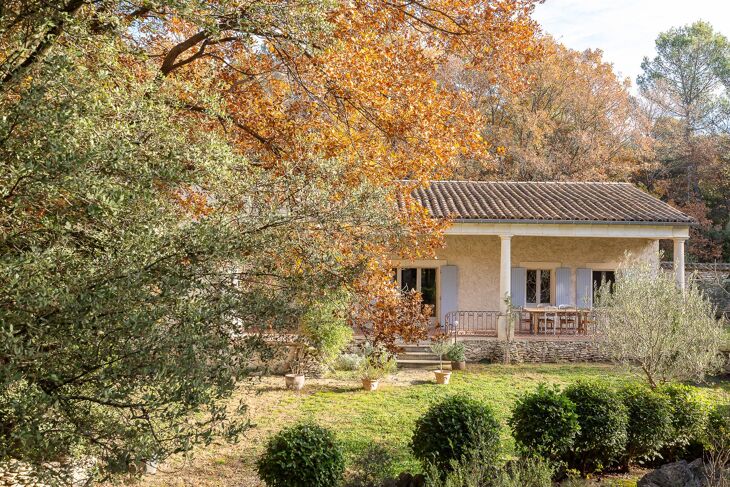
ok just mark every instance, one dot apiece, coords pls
pixel 534 350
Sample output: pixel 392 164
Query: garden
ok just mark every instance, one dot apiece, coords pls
pixel 374 430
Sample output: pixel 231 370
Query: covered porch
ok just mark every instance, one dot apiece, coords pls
pixel 525 258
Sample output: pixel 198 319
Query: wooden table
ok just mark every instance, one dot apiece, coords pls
pixel 536 313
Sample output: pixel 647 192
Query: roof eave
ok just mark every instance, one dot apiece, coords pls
pixel 574 222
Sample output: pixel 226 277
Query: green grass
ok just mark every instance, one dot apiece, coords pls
pixel 388 415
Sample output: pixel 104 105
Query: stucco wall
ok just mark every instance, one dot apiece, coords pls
pixel 478 258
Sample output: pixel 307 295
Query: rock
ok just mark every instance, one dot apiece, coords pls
pixel 677 474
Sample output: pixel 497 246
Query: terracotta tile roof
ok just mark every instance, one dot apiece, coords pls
pixel 546 202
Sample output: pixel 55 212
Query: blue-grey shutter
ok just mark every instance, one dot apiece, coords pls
pixel 584 288
pixel 562 286
pixel 449 291
pixel 517 291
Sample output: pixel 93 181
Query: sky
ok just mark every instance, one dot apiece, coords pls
pixel 625 30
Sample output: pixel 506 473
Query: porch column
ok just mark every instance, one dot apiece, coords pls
pixel 505 275
pixel 679 262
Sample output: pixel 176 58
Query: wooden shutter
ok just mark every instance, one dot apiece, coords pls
pixel 562 286
pixel 517 291
pixel 584 288
pixel 449 291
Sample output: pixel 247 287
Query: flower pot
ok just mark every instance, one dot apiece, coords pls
pixel 370 384
pixel 442 376
pixel 461 365
pixel 294 381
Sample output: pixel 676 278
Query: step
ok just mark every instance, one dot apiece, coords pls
pixel 422 364
pixel 416 355
pixel 415 348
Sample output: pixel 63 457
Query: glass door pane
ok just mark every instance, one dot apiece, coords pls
pixel 428 287
pixel 408 279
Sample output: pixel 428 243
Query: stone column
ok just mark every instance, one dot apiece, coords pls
pixel 679 262
pixel 505 275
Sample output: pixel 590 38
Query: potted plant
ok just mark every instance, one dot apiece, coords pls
pixel 440 347
pixel 457 355
pixel 295 378
pixel 376 365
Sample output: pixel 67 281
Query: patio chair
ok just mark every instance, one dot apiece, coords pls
pixel 569 322
pixel 548 318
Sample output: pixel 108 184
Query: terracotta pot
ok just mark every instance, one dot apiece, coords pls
pixel 442 376
pixel 294 381
pixel 458 365
pixel 370 384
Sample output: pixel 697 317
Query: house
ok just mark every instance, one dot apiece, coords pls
pixel 546 245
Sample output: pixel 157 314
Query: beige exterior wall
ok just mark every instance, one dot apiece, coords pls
pixel 478 260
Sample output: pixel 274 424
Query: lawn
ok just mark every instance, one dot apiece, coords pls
pixel 360 418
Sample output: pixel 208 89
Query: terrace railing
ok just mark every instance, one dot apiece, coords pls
pixel 472 323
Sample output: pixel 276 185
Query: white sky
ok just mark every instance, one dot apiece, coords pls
pixel 625 29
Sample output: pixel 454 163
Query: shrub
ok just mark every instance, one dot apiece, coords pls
pixel 453 429
pixel 687 424
pixel 471 472
pixel 650 422
pixel 525 472
pixel 348 361
pixel 456 352
pixel 718 429
pixel 325 327
pixel 544 423
pixel 377 363
pixel 602 419
pixel 371 467
pixel 304 455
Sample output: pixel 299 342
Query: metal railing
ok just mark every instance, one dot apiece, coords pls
pixel 485 323
pixel 475 323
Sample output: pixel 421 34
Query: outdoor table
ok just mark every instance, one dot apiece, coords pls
pixel 536 313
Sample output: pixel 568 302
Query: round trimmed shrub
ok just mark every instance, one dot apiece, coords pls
pixel 304 455
pixel 603 419
pixel 688 423
pixel 544 423
pixel 454 429
pixel 650 422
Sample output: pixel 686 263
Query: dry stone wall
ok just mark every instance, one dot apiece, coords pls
pixel 534 351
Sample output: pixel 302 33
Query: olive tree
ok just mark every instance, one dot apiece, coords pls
pixel 646 321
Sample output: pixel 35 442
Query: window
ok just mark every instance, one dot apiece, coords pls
pixel 420 279
pixel 599 277
pixel 538 288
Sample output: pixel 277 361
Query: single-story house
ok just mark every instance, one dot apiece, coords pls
pixel 546 245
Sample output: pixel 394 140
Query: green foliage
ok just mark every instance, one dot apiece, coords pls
pixel 525 472
pixel 688 420
pixel 473 472
pixel 650 422
pixel 603 420
pixel 544 423
pixel 325 327
pixel 377 363
pixel 305 455
pixel 371 466
pixel 648 323
pixel 456 352
pixel 136 263
pixel 349 362
pixel 717 436
pixel 453 429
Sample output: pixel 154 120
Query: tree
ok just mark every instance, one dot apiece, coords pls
pixel 572 119
pixel 648 323
pixel 686 89
pixel 177 175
